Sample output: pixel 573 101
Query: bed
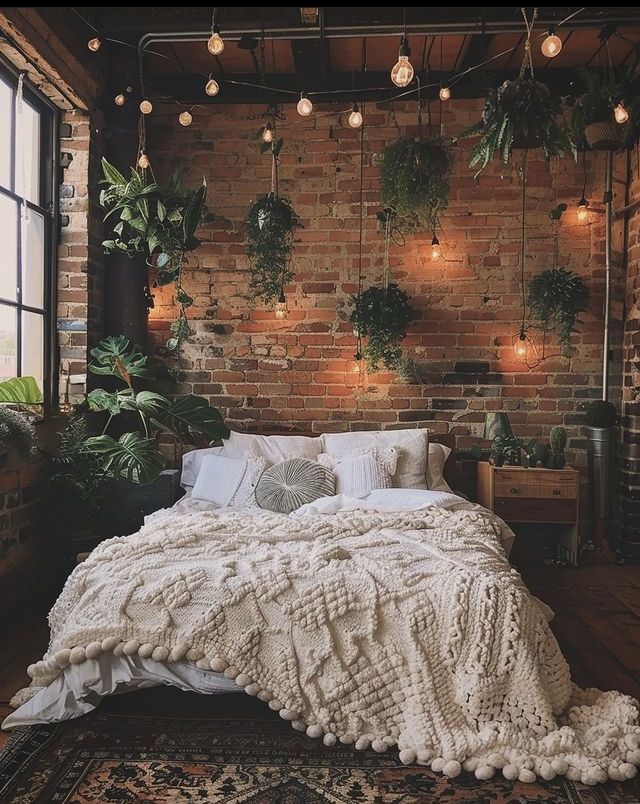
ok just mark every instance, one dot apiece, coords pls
pixel 387 619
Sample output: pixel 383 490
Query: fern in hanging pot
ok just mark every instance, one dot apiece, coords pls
pixel 606 115
pixel 414 181
pixel 556 298
pixel 270 228
pixel 381 315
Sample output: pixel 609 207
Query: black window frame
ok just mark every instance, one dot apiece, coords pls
pixel 48 207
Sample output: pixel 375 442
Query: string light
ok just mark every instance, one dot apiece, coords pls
pixel 267 133
pixel 212 87
pixel 215 45
pixel 185 118
pixel 119 99
pixel 143 161
pixel 445 93
pixel 436 251
pixel 94 44
pixel 281 306
pixel 355 118
pixel 552 44
pixel 583 210
pixel 524 349
pixel 620 113
pixel 402 71
pixel 146 107
pixel 305 107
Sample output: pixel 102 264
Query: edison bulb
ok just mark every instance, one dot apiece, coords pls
pixel 436 251
pixel 445 93
pixel 583 212
pixel 551 46
pixel 267 133
pixel 402 72
pixel 185 118
pixel 146 107
pixel 143 161
pixel 215 45
pixel 281 313
pixel 212 88
pixel 305 107
pixel 620 113
pixel 520 348
pixel 119 99
pixel 355 118
pixel 94 44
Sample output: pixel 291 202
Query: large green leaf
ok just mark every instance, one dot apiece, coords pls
pixel 117 356
pixel 189 416
pixel 20 391
pixel 111 174
pixel 132 456
pixel 193 212
pixel 113 403
pixel 151 404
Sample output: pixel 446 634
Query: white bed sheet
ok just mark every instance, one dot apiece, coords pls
pixel 80 688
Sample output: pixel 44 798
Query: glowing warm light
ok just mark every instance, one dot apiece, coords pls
pixel 143 161
pixel 620 113
pixel 520 348
pixel 94 44
pixel 146 107
pixel 402 71
pixel 119 99
pixel 215 45
pixel 212 88
pixel 281 313
pixel 355 118
pixel 281 306
pixel 445 94
pixel 267 133
pixel 185 118
pixel 551 46
pixel 305 107
pixel 583 210
pixel 358 363
pixel 436 251
pixel 524 350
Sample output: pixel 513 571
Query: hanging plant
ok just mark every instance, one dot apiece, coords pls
pixel 556 298
pixel 381 315
pixel 158 221
pixel 520 113
pixel 269 231
pixel 593 114
pixel 414 181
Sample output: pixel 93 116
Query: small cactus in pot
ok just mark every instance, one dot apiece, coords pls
pixel 558 439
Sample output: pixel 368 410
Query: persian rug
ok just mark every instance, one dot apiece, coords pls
pixel 162 746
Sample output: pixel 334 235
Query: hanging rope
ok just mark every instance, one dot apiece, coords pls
pixel 527 61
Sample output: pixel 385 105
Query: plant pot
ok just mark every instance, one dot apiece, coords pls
pixel 557 461
pixel 601 442
pixel 605 136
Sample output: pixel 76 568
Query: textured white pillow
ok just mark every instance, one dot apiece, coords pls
pixel 362 471
pixel 292 483
pixel 192 463
pixel 227 481
pixel 412 446
pixel 438 455
pixel 273 448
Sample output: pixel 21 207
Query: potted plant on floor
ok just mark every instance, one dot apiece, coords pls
pixel 606 116
pixel 18 397
pixel 601 418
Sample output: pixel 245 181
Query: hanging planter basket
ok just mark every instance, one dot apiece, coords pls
pixel 605 136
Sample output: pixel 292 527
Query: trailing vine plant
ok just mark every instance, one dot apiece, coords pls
pixel 381 314
pixel 556 298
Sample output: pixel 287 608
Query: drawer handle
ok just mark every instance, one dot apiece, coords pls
pixel 557 492
pixel 515 490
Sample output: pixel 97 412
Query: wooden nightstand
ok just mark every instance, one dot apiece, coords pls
pixel 544 496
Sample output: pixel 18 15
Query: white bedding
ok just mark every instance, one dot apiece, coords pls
pixel 79 688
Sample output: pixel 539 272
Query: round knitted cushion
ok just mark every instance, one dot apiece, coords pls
pixel 292 483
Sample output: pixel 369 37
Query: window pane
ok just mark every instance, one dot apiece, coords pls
pixel 33 346
pixel 8 342
pixel 33 260
pixel 5 135
pixel 8 248
pixel 28 153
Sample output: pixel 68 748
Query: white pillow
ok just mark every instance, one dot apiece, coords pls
pixel 192 463
pixel 273 448
pixel 228 481
pixel 438 455
pixel 412 446
pixel 362 471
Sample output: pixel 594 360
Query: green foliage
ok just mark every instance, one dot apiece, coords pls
pixel 20 391
pixel 556 298
pixel 520 112
pixel 132 456
pixel 414 181
pixel 156 220
pixel 269 231
pixel 599 413
pixel 17 432
pixel 381 314
pixel 601 92
pixel 507 449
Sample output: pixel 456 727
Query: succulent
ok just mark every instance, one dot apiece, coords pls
pixel 558 439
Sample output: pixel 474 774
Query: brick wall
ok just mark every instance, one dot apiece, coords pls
pixel 299 372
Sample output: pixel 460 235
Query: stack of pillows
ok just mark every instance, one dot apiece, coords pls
pixel 281 473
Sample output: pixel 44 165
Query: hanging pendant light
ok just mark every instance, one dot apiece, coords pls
pixel 267 133
pixel 436 251
pixel 215 45
pixel 281 306
pixel 143 161
pixel 355 118
pixel 620 113
pixel 94 44
pixel 444 94
pixel 119 99
pixel 304 107
pixel 212 87
pixel 552 44
pixel 402 71
pixel 185 118
pixel 146 107
pixel 583 210
pixel 524 349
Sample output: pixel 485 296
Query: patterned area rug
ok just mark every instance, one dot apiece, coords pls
pixel 162 746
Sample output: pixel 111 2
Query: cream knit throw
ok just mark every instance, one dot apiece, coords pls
pixel 398 629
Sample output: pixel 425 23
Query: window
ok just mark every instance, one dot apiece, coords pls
pixel 27 246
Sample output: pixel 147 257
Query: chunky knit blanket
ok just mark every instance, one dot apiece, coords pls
pixel 404 629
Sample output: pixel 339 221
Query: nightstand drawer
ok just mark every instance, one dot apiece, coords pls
pixel 529 509
pixel 534 486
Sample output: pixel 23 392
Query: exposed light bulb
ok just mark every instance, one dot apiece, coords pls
pixel 552 44
pixel 357 363
pixel 146 107
pixel 402 71
pixel 524 349
pixel 185 118
pixel 215 45
pixel 281 306
pixel 305 107
pixel 355 118
pixel 267 133
pixel 281 313
pixel 119 99
pixel 143 161
pixel 436 251
pixel 520 347
pixel 94 44
pixel 620 113
pixel 445 93
pixel 583 211
pixel 212 87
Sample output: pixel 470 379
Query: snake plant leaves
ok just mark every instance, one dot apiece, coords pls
pixel 117 356
pixel 132 456
pixel 20 391
pixel 193 212
pixel 189 416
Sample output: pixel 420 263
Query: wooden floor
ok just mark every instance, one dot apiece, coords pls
pixel 597 624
